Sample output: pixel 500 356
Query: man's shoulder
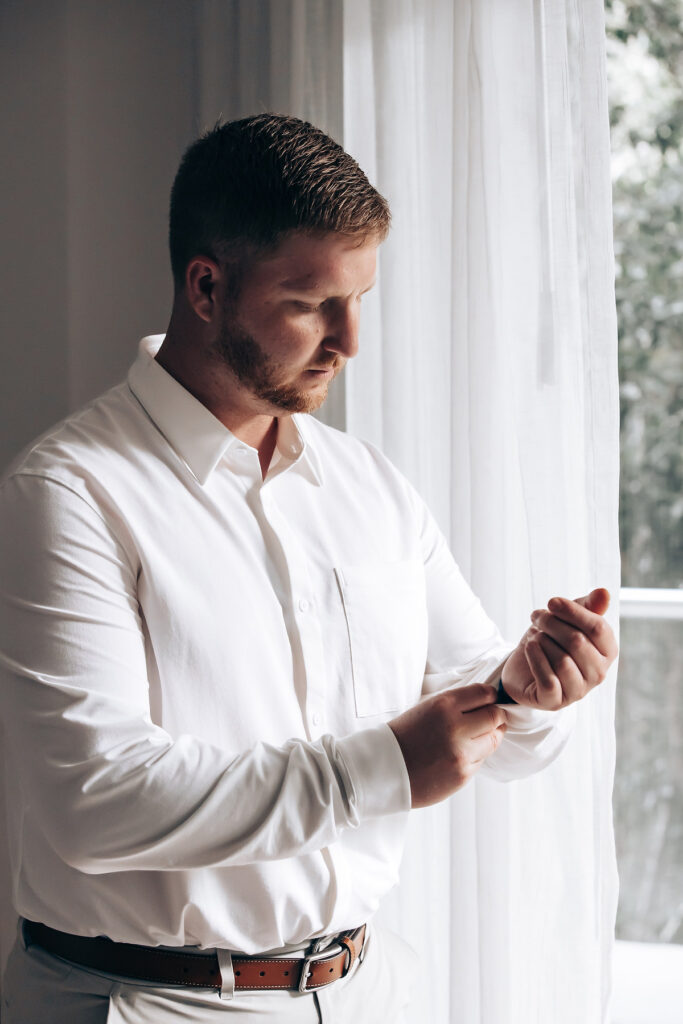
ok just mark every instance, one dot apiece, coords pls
pixel 330 443
pixel 83 442
pixel 353 460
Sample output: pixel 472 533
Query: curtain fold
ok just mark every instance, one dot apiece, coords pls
pixel 487 372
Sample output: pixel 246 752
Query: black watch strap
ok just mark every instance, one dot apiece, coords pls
pixel 503 696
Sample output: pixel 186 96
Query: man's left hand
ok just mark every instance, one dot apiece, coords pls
pixel 564 654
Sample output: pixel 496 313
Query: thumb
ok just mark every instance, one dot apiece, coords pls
pixel 597 601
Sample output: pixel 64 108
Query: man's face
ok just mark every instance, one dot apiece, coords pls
pixel 295 322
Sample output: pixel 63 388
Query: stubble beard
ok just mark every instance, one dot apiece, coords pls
pixel 262 375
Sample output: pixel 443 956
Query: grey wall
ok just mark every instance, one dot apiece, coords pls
pixel 99 101
pixel 33 372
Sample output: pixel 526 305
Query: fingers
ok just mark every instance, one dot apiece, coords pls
pixel 572 642
pixel 590 623
pixel 484 720
pixel 559 679
pixel 569 648
pixel 481 747
pixel 467 698
pixel 484 731
pixel 548 687
pixel 445 738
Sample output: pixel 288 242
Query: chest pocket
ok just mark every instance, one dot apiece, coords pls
pixel 386 617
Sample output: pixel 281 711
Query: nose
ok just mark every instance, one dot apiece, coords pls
pixel 341 334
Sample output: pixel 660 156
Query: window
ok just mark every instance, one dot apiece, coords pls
pixel 645 74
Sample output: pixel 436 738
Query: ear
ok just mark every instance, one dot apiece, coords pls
pixel 202 274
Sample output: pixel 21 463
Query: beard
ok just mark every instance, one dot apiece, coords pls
pixel 263 376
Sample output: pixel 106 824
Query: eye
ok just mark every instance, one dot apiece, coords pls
pixel 306 307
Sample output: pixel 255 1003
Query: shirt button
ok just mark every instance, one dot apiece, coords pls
pixel 303 605
pixel 316 718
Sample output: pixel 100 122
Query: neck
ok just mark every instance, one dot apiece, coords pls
pixel 188 360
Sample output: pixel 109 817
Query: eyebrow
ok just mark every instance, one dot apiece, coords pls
pixel 306 284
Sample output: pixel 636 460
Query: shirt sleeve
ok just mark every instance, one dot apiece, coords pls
pixel 109 789
pixel 466 647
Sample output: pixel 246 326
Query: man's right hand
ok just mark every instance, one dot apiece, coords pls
pixel 445 739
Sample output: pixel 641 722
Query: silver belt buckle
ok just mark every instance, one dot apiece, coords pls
pixel 306 967
pixel 312 957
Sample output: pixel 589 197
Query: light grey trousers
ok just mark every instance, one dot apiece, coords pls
pixel 39 988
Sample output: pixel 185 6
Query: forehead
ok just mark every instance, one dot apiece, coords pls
pixel 304 261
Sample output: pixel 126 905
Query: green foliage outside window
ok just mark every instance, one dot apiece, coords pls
pixel 645 77
pixel 645 72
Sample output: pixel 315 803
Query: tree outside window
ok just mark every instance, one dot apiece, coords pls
pixel 645 74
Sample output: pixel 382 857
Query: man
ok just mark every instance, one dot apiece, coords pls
pixel 219 619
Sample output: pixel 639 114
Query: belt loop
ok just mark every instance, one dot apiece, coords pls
pixel 227 974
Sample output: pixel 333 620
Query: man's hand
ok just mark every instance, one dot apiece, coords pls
pixel 563 655
pixel 445 739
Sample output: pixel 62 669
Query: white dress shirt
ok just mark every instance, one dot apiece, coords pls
pixel 198 665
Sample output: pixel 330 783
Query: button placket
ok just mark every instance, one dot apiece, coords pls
pixel 305 616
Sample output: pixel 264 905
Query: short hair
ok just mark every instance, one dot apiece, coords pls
pixel 243 185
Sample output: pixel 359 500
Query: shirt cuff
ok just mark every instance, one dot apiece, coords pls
pixel 375 772
pixel 524 719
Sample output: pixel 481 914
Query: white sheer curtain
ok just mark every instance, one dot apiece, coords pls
pixel 487 372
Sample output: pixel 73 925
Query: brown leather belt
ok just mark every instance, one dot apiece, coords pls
pixel 156 966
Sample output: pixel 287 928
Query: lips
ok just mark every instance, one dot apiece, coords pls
pixel 327 368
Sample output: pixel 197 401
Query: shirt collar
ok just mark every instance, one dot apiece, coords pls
pixel 195 434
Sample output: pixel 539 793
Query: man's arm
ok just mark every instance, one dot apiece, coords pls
pixel 465 647
pixel 109 789
pixel 445 740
